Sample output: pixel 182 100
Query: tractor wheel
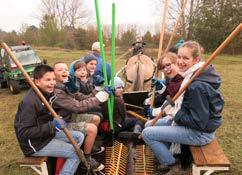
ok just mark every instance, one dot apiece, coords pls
pixel 4 84
pixel 14 86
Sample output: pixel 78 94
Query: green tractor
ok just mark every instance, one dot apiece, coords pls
pixel 10 75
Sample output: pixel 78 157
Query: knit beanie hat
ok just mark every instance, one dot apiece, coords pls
pixel 89 58
pixel 179 43
pixel 118 82
pixel 96 46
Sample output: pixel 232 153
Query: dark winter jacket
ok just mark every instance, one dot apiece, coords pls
pixel 32 124
pixel 85 87
pixel 67 103
pixel 202 104
pixel 172 87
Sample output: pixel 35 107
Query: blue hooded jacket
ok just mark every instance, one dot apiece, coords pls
pixel 202 103
pixel 99 68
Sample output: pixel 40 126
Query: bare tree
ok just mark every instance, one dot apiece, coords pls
pixel 186 22
pixel 70 13
pixel 76 14
pixel 61 9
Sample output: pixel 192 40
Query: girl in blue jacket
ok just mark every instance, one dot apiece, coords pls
pixel 200 109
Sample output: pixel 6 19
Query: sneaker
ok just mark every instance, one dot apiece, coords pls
pixel 175 170
pixel 137 129
pixel 95 166
pixel 129 135
pixel 170 169
pixel 97 150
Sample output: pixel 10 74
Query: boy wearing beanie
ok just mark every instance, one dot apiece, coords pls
pixel 121 121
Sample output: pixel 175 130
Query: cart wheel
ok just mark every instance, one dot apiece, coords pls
pixel 14 87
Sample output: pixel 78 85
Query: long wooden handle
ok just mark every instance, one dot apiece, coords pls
pixel 134 106
pixel 162 31
pixel 138 116
pixel 40 95
pixel 224 44
pixel 176 25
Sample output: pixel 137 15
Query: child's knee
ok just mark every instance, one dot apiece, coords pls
pixel 96 120
pixel 91 129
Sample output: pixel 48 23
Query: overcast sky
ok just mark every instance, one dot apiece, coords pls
pixel 13 13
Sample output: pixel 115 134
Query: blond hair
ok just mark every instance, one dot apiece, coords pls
pixel 195 47
pixel 170 55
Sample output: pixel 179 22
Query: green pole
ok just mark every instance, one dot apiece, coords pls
pixel 113 53
pixel 100 37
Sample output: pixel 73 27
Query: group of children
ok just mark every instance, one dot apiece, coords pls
pixel 79 99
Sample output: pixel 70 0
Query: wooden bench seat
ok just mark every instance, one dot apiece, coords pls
pixel 209 158
pixel 38 164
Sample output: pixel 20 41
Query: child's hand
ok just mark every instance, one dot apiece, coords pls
pixel 109 90
pixel 59 124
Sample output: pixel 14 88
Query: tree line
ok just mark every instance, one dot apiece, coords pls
pixel 64 23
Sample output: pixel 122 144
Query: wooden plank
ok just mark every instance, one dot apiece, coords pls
pixel 31 160
pixel 197 155
pixel 214 155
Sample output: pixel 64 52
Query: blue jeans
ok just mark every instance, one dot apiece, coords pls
pixel 165 121
pixel 158 138
pixel 59 146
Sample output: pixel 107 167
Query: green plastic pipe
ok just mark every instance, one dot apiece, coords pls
pixel 100 37
pixel 113 53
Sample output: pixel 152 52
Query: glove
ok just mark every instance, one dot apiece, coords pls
pixel 158 83
pixel 150 113
pixel 70 84
pixel 146 110
pixel 147 101
pixel 153 112
pixel 102 96
pixel 98 80
pixel 109 90
pixel 59 124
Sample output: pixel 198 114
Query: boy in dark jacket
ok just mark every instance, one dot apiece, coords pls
pixel 123 124
pixel 36 130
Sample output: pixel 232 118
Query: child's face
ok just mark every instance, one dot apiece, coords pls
pixel 169 69
pixel 119 92
pixel 61 72
pixel 47 82
pixel 81 73
pixel 91 66
pixel 185 59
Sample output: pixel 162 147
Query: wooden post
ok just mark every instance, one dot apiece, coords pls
pixel 176 25
pixel 162 31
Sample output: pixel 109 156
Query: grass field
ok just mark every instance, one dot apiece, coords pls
pixel 229 135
